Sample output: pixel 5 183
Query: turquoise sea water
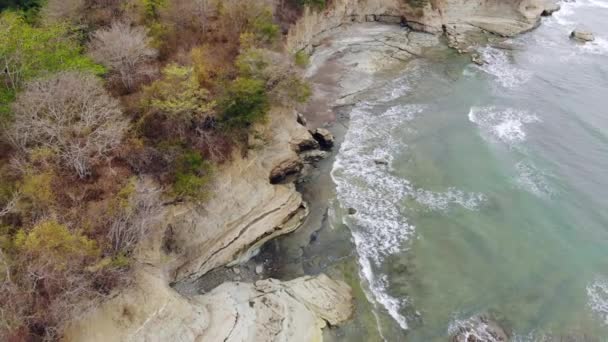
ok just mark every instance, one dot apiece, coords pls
pixel 484 190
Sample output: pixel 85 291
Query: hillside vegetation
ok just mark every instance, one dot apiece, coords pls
pixel 98 98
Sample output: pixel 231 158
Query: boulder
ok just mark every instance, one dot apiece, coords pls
pixel 324 137
pixel 550 7
pixel 313 156
pixel 582 35
pixel 477 59
pixel 301 119
pixel 285 169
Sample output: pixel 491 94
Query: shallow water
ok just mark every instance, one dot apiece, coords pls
pixel 483 190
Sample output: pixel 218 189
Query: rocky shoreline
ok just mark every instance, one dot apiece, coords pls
pixel 217 257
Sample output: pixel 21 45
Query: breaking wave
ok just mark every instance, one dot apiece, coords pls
pixel 597 295
pixel 502 69
pixel 362 173
pixel 502 124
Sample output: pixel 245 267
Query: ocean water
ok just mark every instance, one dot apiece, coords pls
pixel 484 190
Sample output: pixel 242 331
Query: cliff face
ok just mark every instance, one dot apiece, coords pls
pixel 454 17
pixel 254 201
pixel 246 210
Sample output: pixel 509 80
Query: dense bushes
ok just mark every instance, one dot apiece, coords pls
pixel 27 52
pixel 91 151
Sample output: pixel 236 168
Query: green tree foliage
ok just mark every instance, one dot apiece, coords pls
pixel 178 95
pixel 27 52
pixel 53 241
pixel 245 102
pixel 152 8
pixel 313 3
pixel 191 176
pixel 281 80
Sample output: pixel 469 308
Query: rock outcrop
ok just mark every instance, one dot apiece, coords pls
pixel 245 211
pixel 268 310
pixel 453 17
pixel 582 35
pixel 551 6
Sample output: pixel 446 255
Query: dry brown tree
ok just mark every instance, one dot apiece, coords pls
pixel 64 10
pixel 125 50
pixel 131 222
pixel 71 115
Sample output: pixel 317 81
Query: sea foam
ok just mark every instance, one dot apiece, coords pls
pixel 364 180
pixel 502 124
pixel 500 67
pixel 597 295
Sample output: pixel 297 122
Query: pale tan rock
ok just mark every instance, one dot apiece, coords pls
pixel 501 17
pixel 269 310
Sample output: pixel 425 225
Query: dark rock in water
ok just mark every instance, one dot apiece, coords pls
pixel 381 162
pixel 324 137
pixel 352 211
pixel 313 156
pixel 582 35
pixel 550 7
pixel 302 120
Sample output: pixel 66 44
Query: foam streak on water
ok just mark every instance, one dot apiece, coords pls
pixel 362 173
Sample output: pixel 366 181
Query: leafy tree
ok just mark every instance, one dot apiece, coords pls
pixel 27 52
pixel 53 241
pixel 245 102
pixel 178 95
pixel 282 82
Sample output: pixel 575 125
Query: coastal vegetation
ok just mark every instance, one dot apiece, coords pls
pixel 109 111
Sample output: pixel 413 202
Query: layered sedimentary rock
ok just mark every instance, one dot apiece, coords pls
pixel 245 211
pixel 268 310
pixel 454 17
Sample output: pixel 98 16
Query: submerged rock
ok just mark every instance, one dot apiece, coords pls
pixel 582 35
pixel 478 329
pixel 324 137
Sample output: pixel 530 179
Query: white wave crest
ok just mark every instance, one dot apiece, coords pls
pixel 503 124
pixel 443 200
pixel 597 295
pixel 379 227
pixel 597 47
pixel 475 328
pixel 498 65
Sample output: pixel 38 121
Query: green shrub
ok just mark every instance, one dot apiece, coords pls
pixel 55 242
pixel 313 3
pixel 27 52
pixel 245 103
pixel 301 59
pixel 192 175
